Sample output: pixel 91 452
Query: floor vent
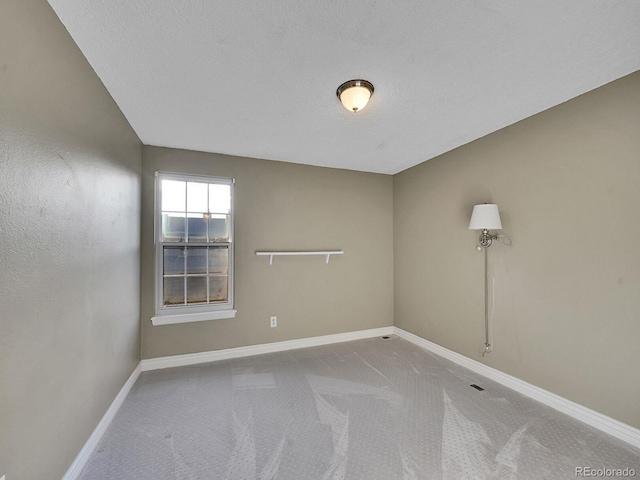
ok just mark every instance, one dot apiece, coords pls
pixel 480 389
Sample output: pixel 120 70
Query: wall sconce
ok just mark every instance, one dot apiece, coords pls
pixel 355 94
pixel 486 217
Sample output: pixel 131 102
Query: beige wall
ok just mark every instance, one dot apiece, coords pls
pixel 567 182
pixel 282 206
pixel 69 223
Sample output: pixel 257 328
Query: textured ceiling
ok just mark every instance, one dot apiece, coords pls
pixel 258 78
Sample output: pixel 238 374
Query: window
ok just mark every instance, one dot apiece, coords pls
pixel 194 248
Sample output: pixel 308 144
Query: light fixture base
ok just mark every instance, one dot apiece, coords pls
pixel 486 238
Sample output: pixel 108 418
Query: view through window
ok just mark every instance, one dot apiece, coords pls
pixel 195 252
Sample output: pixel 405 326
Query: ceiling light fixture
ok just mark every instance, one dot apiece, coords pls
pixel 355 94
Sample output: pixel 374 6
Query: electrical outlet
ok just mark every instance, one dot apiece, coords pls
pixel 274 324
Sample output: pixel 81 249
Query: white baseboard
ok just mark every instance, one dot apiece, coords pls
pixel 212 356
pixel 613 427
pixel 82 458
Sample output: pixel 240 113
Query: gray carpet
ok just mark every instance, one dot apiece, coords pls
pixel 363 410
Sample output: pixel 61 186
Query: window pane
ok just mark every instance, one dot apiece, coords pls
pixel 218 289
pixel 218 259
pixel 197 260
pixel 219 228
pixel 174 290
pixel 173 195
pixel 173 261
pixel 197 197
pixel 219 198
pixel 173 225
pixel 196 289
pixel 197 227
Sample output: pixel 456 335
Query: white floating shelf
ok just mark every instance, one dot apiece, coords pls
pixel 326 253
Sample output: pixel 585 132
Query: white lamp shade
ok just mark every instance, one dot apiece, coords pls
pixel 485 216
pixel 355 98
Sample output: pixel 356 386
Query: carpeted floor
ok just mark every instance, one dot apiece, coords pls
pixel 363 410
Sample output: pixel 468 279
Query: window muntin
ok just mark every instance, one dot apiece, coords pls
pixel 194 244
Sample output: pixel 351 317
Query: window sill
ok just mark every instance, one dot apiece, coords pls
pixel 192 317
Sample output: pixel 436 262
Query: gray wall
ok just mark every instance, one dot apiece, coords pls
pixel 567 182
pixel 282 206
pixel 69 222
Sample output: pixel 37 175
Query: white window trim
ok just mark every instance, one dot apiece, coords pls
pixel 192 317
pixel 190 313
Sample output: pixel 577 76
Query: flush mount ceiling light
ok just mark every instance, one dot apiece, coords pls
pixel 355 94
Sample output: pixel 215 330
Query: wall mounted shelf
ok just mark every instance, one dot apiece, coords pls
pixel 326 253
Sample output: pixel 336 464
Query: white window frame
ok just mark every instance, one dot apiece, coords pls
pixel 166 315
